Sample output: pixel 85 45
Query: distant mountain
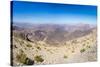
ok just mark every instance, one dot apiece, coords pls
pixel 54 33
pixel 17 28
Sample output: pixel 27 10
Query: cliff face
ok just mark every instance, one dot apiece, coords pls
pixel 54 45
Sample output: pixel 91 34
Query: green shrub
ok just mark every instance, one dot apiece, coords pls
pixel 21 42
pixel 82 50
pixel 88 46
pixel 38 48
pixel 65 56
pixel 29 45
pixel 21 57
pixel 38 59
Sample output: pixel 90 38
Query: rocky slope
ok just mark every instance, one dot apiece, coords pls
pixel 53 46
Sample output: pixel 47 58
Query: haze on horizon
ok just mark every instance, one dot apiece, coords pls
pixel 53 13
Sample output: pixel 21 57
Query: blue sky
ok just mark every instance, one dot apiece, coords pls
pixel 44 13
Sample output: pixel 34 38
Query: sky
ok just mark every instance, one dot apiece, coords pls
pixel 52 13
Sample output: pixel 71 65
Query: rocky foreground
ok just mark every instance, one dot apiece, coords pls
pixel 80 49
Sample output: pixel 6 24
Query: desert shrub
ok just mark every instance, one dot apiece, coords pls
pixel 38 58
pixel 22 58
pixel 14 46
pixel 75 41
pixel 21 51
pixel 73 51
pixel 88 46
pixel 29 61
pixel 38 47
pixel 87 42
pixel 36 50
pixel 28 45
pixel 65 56
pixel 82 50
pixel 21 42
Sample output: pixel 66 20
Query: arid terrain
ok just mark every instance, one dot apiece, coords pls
pixel 35 44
